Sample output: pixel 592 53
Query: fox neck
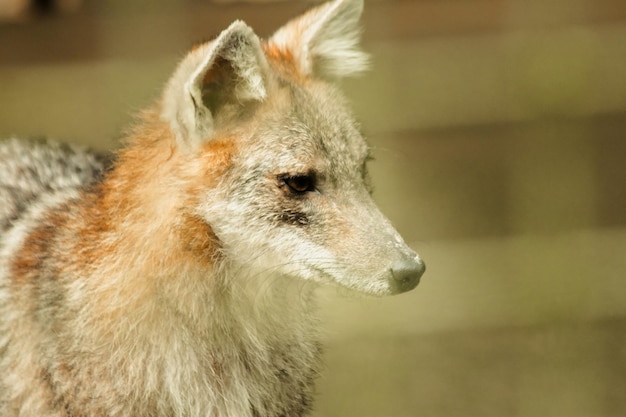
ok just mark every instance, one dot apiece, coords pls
pixel 154 259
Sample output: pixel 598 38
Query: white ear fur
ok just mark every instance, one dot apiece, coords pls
pixel 325 41
pixel 184 101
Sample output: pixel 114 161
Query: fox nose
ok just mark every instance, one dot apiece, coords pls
pixel 406 274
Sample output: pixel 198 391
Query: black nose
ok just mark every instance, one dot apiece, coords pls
pixel 406 274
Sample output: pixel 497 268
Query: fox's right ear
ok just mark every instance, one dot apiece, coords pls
pixel 229 72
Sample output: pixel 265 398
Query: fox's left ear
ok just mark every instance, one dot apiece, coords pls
pixel 325 41
pixel 218 78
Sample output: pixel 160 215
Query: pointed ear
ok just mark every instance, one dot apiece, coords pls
pixel 221 76
pixel 325 41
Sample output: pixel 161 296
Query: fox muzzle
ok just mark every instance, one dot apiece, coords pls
pixel 406 274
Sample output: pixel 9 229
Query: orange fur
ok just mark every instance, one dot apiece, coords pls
pixel 29 259
pixel 150 194
pixel 282 61
pixel 197 239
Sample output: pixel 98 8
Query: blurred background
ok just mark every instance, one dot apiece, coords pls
pixel 499 131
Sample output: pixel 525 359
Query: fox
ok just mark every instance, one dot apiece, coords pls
pixel 177 275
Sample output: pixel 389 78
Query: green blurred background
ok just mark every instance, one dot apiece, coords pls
pixel 499 131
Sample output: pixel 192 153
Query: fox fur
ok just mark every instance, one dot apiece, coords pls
pixel 177 277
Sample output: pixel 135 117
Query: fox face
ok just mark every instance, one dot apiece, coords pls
pixel 294 198
pixel 299 184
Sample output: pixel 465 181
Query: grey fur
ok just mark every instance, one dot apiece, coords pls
pixel 30 168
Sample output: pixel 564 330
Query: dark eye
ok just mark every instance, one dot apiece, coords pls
pixel 300 184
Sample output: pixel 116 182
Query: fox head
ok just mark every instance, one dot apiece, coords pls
pixel 293 197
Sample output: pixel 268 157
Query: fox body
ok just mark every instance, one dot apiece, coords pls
pixel 177 277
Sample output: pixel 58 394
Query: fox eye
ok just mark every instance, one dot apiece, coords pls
pixel 300 184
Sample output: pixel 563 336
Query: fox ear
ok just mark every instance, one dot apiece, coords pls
pixel 218 77
pixel 325 41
